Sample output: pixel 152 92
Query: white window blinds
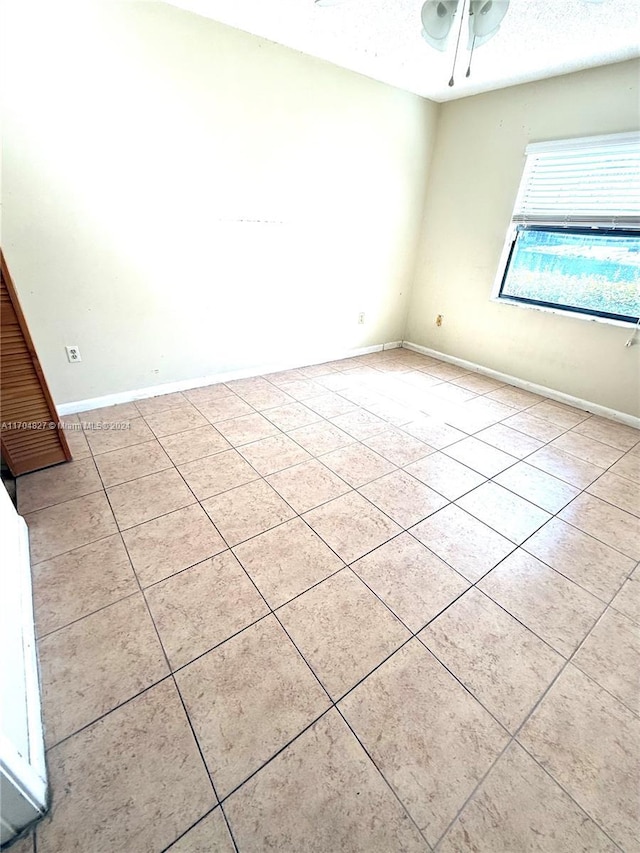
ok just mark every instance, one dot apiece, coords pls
pixel 592 182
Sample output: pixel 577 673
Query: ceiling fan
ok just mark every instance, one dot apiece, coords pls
pixel 484 18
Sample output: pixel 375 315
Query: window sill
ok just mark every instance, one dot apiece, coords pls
pixel 575 315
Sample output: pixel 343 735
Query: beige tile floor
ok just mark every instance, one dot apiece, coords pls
pixel 381 604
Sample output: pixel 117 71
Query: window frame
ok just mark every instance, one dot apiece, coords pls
pixel 587 313
pixel 553 225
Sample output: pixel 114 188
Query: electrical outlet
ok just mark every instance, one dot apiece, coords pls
pixel 73 354
pixel 439 320
pixel 361 318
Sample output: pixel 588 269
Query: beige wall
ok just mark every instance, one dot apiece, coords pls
pixel 474 176
pixel 182 199
pixel 141 143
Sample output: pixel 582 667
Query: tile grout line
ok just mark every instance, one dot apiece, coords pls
pixel 569 661
pixel 180 697
pixel 413 635
pixel 316 584
pixel 514 738
pixel 388 426
pixel 358 441
pixel 54 746
pixel 200 820
pixel 429 651
pixel 354 489
pixel 177 689
pixel 334 704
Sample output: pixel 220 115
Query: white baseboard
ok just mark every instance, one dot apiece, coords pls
pixel 200 381
pixel 559 396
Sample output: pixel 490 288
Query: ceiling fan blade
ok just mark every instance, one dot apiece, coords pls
pixel 437 19
pixel 439 44
pixel 485 17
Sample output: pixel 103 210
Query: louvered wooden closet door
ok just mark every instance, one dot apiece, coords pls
pixel 24 396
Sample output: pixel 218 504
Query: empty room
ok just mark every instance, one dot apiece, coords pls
pixel 320 404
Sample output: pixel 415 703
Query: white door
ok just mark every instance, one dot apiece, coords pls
pixel 23 778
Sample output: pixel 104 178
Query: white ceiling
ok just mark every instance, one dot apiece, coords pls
pixel 382 39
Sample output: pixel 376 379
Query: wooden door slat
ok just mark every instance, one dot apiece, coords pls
pixel 24 394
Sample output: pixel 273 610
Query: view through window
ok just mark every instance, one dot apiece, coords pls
pixel 595 272
pixel 574 239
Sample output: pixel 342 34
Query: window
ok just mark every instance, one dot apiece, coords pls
pixel 574 240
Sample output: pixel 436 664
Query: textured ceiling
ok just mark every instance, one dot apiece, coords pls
pixel 382 39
